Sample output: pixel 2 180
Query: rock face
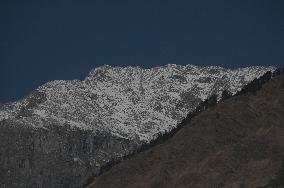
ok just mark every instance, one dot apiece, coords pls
pixel 237 143
pixel 64 131
pixel 56 156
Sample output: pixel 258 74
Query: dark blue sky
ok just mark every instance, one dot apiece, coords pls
pixel 47 40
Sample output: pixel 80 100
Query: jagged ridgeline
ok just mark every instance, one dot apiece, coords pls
pixel 251 87
pixel 237 143
pixel 65 131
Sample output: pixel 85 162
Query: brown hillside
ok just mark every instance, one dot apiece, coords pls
pixel 238 143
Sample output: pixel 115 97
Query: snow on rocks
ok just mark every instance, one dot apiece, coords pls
pixel 128 102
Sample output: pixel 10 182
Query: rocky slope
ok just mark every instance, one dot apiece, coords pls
pixel 239 143
pixel 64 131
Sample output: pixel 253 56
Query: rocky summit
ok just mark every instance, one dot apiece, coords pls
pixel 238 143
pixel 66 130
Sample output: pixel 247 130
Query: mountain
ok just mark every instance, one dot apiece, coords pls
pixel 65 131
pixel 237 143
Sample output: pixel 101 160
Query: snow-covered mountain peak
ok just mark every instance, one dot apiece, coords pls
pixel 128 102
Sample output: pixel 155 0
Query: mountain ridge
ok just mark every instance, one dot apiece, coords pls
pixel 109 95
pixel 237 143
pixel 50 124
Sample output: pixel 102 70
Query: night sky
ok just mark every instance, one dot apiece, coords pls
pixel 47 40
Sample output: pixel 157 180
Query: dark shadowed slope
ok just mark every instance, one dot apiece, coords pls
pixel 238 143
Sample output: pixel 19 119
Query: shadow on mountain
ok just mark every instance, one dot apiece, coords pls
pixel 236 143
